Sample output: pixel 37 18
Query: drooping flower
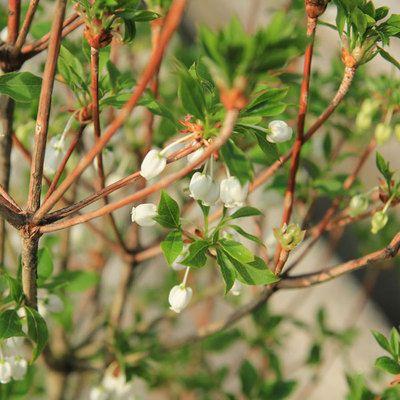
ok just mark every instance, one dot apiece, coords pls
pixel 153 164
pixel 19 366
pixel 176 265
pixel 280 132
pixel 232 193
pixel 358 204
pixel 237 288
pixel 114 384
pixel 179 297
pixel 13 346
pixel 5 371
pixel 289 236
pixel 378 222
pixel 193 157
pixel 144 214
pixel 203 188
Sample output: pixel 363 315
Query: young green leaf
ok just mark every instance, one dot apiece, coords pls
pixel 388 364
pixel 45 265
pixel 227 270
pixel 10 324
pixel 249 378
pixel 245 212
pixel 168 212
pixel 197 254
pixel 21 86
pixel 383 167
pixel 247 235
pixel 37 330
pixel 237 251
pixel 382 341
pixel 172 246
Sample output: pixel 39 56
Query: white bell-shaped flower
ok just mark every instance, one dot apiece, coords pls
pixel 13 346
pixel 49 303
pixel 179 297
pixel 233 194
pixel 19 366
pixel 193 157
pixel 5 371
pixel 144 214
pixel 237 288
pixel 153 164
pixel 203 188
pixel 99 393
pixel 280 132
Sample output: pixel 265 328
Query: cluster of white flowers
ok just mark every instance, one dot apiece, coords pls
pixel 12 363
pixel 113 387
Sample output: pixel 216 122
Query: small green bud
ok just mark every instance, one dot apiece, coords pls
pixel 358 204
pixel 289 236
pixel 363 121
pixel 378 222
pixel 382 133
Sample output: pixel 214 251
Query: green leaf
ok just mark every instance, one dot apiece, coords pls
pixel 249 378
pixel 10 324
pixel 267 104
pixel 237 251
pixel 314 354
pixel 172 246
pixel 168 212
pixel 72 70
pixel 247 235
pixel 237 162
pixel 45 265
pixel 37 330
pixel 21 86
pixel 227 270
pixel 74 281
pixel 15 287
pixel 191 94
pixel 387 364
pixel 197 254
pixel 129 30
pixel 383 167
pixel 395 342
pixel 382 341
pixel 245 212
pixel 389 58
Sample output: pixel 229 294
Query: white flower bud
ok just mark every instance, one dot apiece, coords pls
pixel 144 214
pixel 383 133
pixel 236 289
pixel 99 393
pixel 4 34
pixel 203 188
pixel 5 371
pixel 179 297
pixel 233 194
pixel 153 164
pixel 358 204
pixel 378 222
pixel 280 132
pixel 19 366
pixel 193 157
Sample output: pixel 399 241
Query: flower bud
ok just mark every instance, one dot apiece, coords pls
pixel 289 236
pixel 203 188
pixel 232 193
pixel 4 34
pixel 19 366
pixel 280 132
pixel 237 288
pixel 382 133
pixel 378 222
pixel 5 371
pixel 179 297
pixel 153 164
pixel 176 265
pixel 49 303
pixel 144 214
pixel 358 204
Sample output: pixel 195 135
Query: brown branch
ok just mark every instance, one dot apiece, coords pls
pixel 306 280
pixel 172 21
pixel 42 120
pixel 33 4
pixel 14 14
pixel 227 128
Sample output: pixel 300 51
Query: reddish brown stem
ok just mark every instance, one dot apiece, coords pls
pixel 14 13
pixel 33 4
pixel 172 21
